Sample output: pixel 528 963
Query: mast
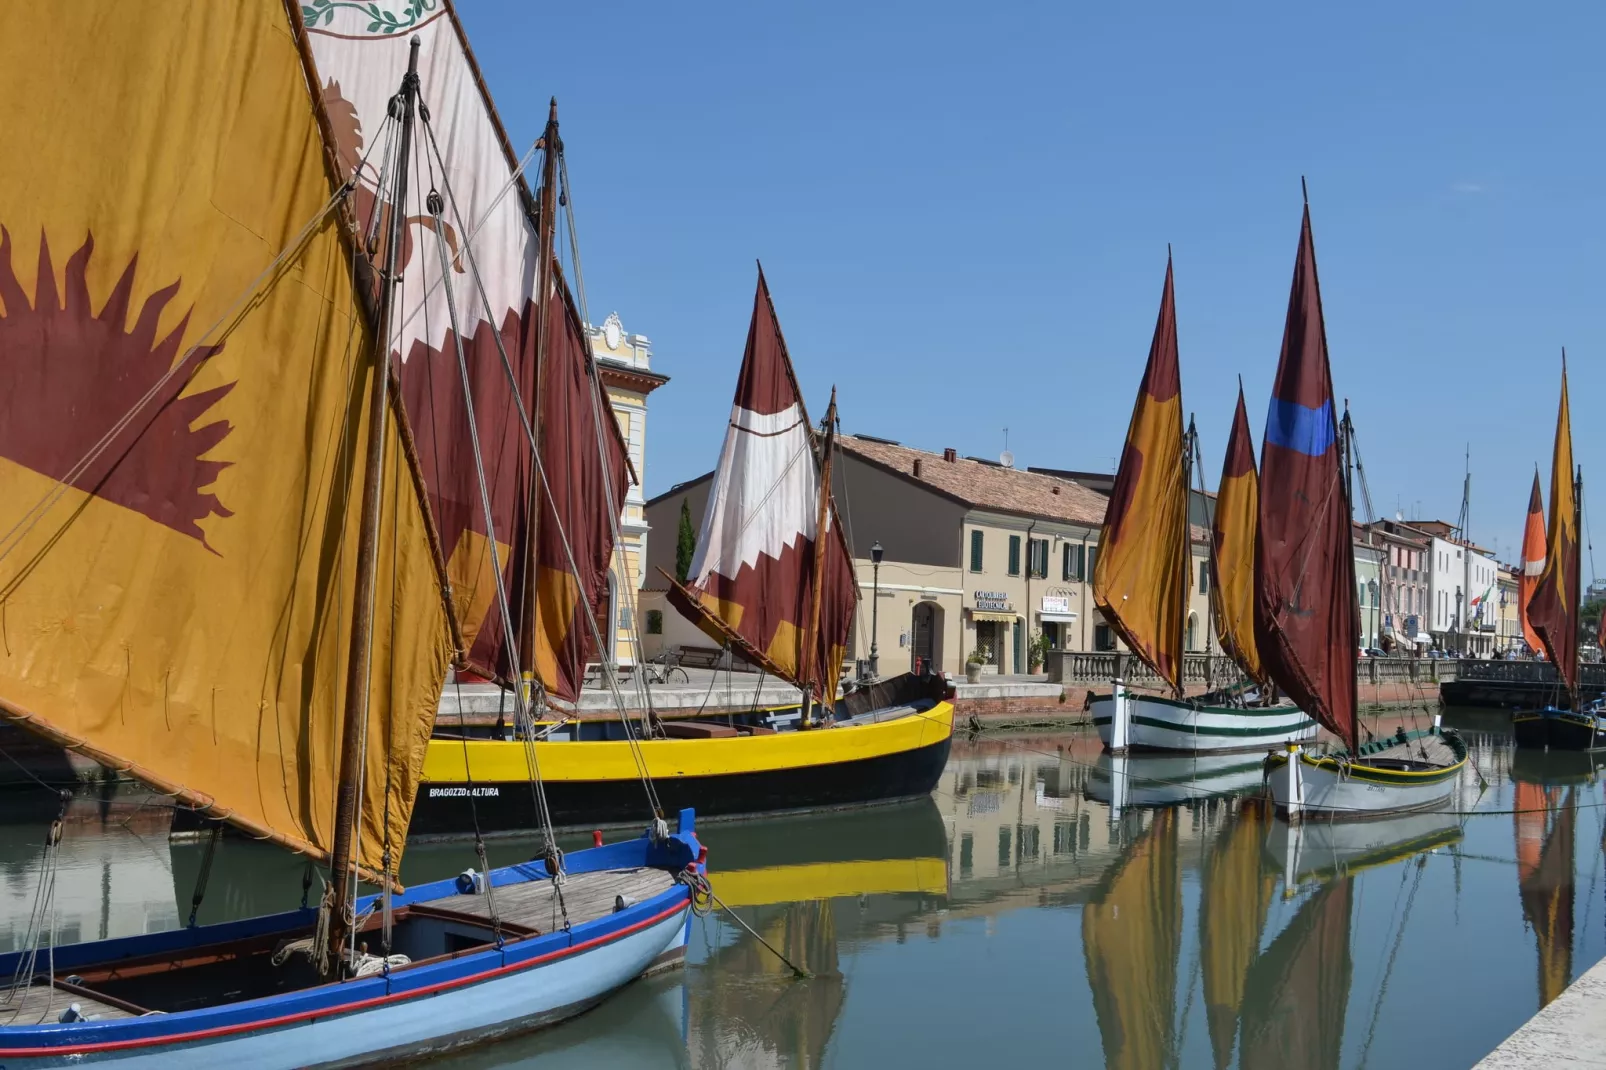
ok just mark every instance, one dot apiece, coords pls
pixel 546 224
pixel 822 513
pixel 1190 442
pixel 359 659
pixel 1578 579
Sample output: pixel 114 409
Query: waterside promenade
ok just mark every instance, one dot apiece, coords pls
pixel 1569 1034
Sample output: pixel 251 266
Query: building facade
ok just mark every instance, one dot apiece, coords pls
pixel 978 557
pixel 624 364
pixel 1462 591
pixel 1508 621
pixel 1369 562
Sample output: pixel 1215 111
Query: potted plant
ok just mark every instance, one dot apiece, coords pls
pixel 1036 653
pixel 978 657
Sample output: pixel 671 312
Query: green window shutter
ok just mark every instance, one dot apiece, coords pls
pixel 1014 555
pixel 975 551
pixel 1065 564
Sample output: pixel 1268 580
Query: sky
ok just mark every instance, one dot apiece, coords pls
pixel 963 213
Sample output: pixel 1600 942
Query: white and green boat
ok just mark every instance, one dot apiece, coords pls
pixel 1128 719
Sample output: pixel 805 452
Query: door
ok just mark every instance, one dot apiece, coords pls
pixel 922 651
pixel 1018 646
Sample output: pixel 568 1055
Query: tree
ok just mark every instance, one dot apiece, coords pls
pixel 685 543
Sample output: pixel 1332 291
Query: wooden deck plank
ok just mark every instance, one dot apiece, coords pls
pixel 586 897
pixel 40 1004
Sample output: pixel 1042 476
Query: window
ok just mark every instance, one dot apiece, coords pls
pixel 655 622
pixel 1204 577
pixel 1360 589
pixel 1073 561
pixel 1039 560
pixel 1092 563
pixel 1103 639
pixel 1014 555
pixel 975 551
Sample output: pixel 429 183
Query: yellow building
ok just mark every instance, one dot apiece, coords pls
pixel 624 362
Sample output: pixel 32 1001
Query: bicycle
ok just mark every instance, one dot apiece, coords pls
pixel 666 666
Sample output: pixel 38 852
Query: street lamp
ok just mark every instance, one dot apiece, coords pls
pixel 876 553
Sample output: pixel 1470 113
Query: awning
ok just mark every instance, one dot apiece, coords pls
pixel 990 614
pixel 1058 618
pixel 1424 638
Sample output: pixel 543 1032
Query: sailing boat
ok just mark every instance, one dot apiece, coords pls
pixel 221 561
pixel 766 586
pixel 1554 605
pixel 1142 580
pixel 1307 621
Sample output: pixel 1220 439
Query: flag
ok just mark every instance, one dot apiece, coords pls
pixel 1553 609
pixel 1533 563
pixel 1232 556
pixel 1307 622
pixel 1141 579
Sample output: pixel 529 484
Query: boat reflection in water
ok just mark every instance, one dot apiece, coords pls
pixel 1545 819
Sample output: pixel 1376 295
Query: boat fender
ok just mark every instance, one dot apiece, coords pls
pixel 470 882
pixel 623 902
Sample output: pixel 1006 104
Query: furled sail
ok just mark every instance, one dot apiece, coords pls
pixel 1131 940
pixel 1298 990
pixel 754 578
pixel 183 372
pixel 493 251
pixel 1307 622
pixel 1546 839
pixel 1533 562
pixel 1234 897
pixel 1232 556
pixel 588 472
pixel 1553 610
pixel 1141 580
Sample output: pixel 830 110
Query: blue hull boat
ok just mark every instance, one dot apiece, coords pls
pixel 465 967
pixel 1553 728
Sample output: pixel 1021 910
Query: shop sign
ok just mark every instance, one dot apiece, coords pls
pixel 1056 603
pixel 994 600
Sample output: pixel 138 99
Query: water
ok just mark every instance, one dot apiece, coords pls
pixel 1016 912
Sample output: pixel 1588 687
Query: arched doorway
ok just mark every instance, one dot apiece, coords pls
pixel 1193 627
pixel 925 630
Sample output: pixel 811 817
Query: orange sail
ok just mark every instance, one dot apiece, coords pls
pixel 759 581
pixel 1533 562
pixel 1131 940
pixel 1232 551
pixel 1140 582
pixel 1553 610
pixel 184 373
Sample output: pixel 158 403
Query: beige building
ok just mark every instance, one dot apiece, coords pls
pixel 1508 621
pixel 977 556
pixel 624 363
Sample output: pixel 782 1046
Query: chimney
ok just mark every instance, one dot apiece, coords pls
pixel 917 467
pixel 1054 489
pixel 950 455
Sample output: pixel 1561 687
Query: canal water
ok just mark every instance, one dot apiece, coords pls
pixel 1047 904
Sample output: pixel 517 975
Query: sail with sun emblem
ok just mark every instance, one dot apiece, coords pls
pixel 218 570
pixel 179 442
pixel 494 243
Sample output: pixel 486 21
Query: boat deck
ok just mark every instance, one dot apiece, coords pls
pixel 41 1004
pixel 586 897
pixel 1432 750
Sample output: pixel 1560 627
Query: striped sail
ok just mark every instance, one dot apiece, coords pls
pixel 1307 622
pixel 1140 582
pixel 1553 609
pixel 1533 562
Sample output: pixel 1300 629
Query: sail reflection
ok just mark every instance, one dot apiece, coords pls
pixel 1545 826
pixel 1297 992
pixel 1232 916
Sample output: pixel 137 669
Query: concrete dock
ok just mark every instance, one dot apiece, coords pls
pixel 1570 1034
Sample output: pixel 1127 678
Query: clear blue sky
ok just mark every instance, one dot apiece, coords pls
pixel 963 212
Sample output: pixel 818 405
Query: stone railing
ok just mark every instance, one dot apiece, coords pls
pixel 1097 668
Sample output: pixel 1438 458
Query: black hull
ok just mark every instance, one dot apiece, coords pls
pixel 592 804
pixel 1504 694
pixel 1558 731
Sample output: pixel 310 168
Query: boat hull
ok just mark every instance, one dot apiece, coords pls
pixel 1556 729
pixel 592 785
pixel 1334 791
pixel 427 1007
pixel 1163 724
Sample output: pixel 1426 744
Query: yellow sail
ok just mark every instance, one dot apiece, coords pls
pixel 1131 938
pixel 1232 915
pixel 1232 555
pixel 180 436
pixel 1140 582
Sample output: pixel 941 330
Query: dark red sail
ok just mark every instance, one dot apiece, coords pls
pixel 1307 623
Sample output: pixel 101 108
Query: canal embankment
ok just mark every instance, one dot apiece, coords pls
pixel 1569 1033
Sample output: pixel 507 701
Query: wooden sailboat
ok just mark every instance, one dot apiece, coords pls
pixel 222 561
pixel 1553 609
pixel 1307 621
pixel 765 585
pixel 1144 573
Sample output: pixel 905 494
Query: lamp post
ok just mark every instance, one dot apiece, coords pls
pixel 876 553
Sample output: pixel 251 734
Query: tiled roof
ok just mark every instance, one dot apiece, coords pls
pixel 987 486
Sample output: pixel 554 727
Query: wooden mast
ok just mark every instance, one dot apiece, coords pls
pixel 1578 579
pixel 546 224
pixel 816 688
pixel 358 664
pixel 1188 439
